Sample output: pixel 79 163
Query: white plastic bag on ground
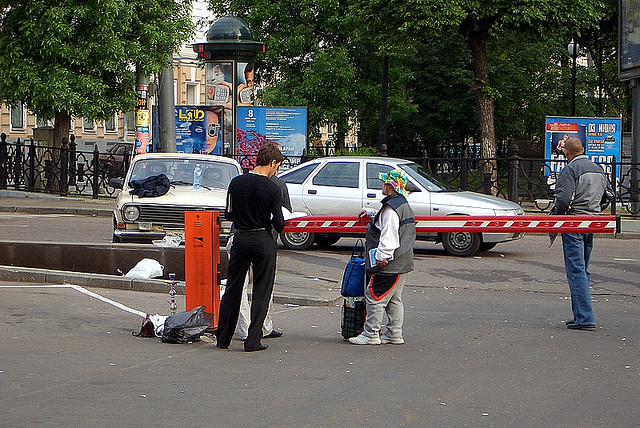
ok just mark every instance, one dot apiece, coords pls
pixel 146 269
pixel 170 240
pixel 158 323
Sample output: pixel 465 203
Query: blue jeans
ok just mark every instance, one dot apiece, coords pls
pixel 577 252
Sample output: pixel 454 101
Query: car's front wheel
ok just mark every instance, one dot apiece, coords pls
pixel 297 240
pixel 462 244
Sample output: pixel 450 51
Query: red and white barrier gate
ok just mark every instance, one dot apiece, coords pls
pixel 457 223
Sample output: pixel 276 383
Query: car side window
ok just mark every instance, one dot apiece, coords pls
pixel 338 174
pixel 298 177
pixel 373 169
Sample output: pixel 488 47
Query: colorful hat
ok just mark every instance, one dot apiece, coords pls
pixel 397 178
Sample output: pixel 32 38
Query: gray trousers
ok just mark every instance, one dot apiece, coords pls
pixel 392 305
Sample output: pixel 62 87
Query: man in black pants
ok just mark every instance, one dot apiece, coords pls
pixel 254 206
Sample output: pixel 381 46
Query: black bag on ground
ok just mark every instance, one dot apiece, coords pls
pixel 185 327
pixel 354 273
pixel 353 316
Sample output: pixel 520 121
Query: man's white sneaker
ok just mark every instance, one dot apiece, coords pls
pixel 395 341
pixel 361 339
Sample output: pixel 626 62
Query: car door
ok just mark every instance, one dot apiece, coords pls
pixel 334 189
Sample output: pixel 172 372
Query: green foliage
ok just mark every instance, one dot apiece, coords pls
pixel 327 55
pixel 79 57
pixel 360 151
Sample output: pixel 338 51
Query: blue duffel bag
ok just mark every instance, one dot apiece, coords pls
pixel 353 276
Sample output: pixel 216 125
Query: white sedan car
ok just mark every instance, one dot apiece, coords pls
pixel 343 185
pixel 143 219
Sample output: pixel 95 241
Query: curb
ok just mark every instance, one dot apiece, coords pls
pixel 22 274
pixel 94 212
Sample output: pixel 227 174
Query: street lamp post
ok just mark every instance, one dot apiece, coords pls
pixel 573 49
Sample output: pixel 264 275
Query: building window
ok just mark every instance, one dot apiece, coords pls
pixel 88 126
pixel 41 123
pixel 110 125
pixel 193 93
pixel 19 117
pixel 130 123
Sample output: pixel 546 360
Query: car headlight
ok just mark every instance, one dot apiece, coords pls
pixel 508 212
pixel 131 213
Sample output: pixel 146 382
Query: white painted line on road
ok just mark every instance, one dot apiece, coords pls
pixel 83 291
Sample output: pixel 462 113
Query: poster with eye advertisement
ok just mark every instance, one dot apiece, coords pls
pixel 229 91
pixel 198 129
pixel 285 126
pixel 601 137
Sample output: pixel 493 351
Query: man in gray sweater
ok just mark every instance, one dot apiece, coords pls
pixel 582 189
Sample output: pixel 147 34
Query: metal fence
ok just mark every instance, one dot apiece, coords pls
pixel 29 166
pixel 528 181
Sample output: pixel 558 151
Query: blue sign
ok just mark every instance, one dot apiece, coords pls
pixel 285 126
pixel 198 129
pixel 601 137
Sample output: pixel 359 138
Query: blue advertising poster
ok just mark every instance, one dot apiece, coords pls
pixel 602 139
pixel 285 126
pixel 198 129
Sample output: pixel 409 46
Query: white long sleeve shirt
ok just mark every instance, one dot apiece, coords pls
pixel 389 224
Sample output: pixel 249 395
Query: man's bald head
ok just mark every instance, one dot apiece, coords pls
pixel 573 147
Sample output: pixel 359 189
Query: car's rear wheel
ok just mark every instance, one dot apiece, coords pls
pixel 486 246
pixel 462 244
pixel 297 240
pixel 325 241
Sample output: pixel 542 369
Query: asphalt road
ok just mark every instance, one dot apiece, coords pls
pixel 472 358
pixel 486 346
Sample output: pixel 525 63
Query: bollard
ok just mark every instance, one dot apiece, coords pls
pixel 202 261
pixel 173 307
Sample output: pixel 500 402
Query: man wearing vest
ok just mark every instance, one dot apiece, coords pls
pixel 389 257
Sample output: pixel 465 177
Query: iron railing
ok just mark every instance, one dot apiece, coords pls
pixel 529 182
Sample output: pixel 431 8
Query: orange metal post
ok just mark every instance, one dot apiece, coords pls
pixel 202 261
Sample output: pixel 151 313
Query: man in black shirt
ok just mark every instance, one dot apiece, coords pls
pixel 254 206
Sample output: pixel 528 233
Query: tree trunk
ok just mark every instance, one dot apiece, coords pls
pixel 485 103
pixel 61 129
pixel 384 104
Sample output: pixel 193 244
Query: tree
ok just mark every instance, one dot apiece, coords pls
pixel 308 60
pixel 489 19
pixel 66 58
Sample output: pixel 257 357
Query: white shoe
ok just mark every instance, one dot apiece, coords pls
pixel 395 341
pixel 361 339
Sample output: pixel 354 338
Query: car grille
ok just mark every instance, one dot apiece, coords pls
pixel 171 218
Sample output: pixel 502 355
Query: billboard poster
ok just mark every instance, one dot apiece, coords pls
pixel 198 129
pixel 244 87
pixel 219 92
pixel 629 39
pixel 285 126
pixel 602 138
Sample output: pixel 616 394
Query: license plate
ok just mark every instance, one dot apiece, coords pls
pixel 144 225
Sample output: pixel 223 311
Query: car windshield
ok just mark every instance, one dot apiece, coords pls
pixel 180 171
pixel 425 178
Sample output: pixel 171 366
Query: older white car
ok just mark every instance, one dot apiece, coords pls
pixel 343 185
pixel 143 219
